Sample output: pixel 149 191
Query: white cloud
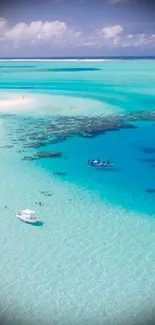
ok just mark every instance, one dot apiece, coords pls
pixel 138 40
pixel 36 31
pixel 57 34
pixel 110 31
pixel 112 36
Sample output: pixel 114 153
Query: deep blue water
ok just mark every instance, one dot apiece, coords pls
pixel 133 176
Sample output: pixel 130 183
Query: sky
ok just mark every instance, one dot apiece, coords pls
pixel 47 28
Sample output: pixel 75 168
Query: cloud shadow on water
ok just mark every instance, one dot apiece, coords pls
pixel 147 160
pixel 148 150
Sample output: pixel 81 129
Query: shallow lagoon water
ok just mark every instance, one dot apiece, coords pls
pixel 92 259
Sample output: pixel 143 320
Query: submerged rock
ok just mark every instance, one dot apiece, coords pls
pixel 59 174
pixel 21 139
pixel 148 150
pixel 37 138
pixel 128 126
pixel 148 160
pixel 87 135
pixel 54 141
pixel 151 190
pixel 46 193
pixel 29 158
pixel 7 147
pixel 62 137
pixel 34 145
pixel 41 138
pixel 51 154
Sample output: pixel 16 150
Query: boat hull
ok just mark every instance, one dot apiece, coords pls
pixel 27 220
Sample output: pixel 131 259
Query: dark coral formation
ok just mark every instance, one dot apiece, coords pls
pixel 44 154
pixel 29 158
pixel 7 147
pixel 50 131
pixel 87 135
pixel 46 193
pixel 34 145
pixel 59 174
pixel 40 132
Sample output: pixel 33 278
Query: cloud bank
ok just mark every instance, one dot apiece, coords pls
pixel 59 35
pixel 36 32
pixel 110 32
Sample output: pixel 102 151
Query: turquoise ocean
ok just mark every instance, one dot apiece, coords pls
pixel 91 259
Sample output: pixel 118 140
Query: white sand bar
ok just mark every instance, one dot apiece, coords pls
pixel 14 103
pixel 52 104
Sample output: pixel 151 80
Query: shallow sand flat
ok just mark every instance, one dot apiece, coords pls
pixel 15 103
pixel 49 104
pixel 91 262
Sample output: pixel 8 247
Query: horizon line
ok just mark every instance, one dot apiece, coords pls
pixel 77 57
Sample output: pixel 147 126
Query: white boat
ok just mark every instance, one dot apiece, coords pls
pixel 27 216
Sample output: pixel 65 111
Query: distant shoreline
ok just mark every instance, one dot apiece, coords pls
pixel 55 60
pixel 78 59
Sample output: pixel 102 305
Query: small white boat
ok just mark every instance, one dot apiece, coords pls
pixel 27 216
